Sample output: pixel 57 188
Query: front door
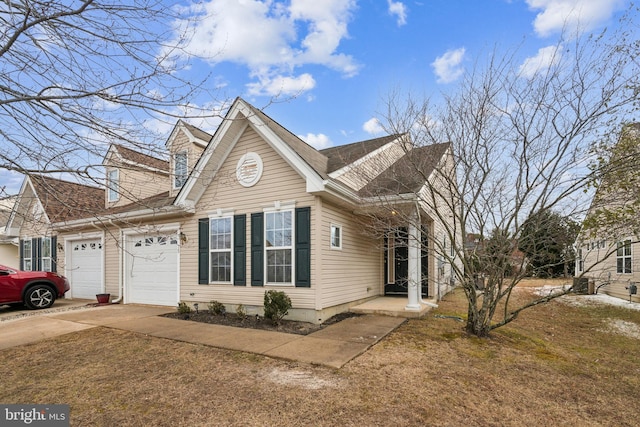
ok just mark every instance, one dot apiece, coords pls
pixel 397 263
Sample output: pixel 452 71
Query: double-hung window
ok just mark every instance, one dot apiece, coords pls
pixel 113 185
pixel 336 237
pixel 279 246
pixel 27 255
pixel 220 244
pixel 179 169
pixel 623 257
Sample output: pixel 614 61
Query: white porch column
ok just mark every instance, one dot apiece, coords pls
pixel 413 281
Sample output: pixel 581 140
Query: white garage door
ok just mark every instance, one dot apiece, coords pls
pixel 152 269
pixel 85 271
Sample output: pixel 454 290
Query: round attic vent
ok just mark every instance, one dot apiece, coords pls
pixel 249 169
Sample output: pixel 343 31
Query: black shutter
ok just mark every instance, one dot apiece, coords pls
pixel 21 250
pixel 54 253
pixel 239 250
pixel 36 251
pixel 203 251
pixel 257 249
pixel 303 247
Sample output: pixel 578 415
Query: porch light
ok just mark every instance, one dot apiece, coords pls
pixel 195 305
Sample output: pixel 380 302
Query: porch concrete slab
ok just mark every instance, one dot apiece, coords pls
pixel 35 328
pixel 367 329
pixel 392 306
pixel 319 351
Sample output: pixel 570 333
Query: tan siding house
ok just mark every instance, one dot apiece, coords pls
pixel 252 208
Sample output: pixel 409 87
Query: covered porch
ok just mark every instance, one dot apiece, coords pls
pixel 394 306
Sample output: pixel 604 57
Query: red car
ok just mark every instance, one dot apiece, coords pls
pixel 35 289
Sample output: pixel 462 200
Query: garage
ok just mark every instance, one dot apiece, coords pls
pixel 85 269
pixel 152 269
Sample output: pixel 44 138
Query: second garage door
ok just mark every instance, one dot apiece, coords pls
pixel 152 269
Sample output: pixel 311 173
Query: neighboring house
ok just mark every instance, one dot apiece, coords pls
pixel 608 251
pixel 253 208
pixel 9 254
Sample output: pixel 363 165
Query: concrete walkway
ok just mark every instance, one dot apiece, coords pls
pixel 332 346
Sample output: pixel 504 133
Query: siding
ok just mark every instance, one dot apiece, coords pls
pixel 137 184
pixel 353 272
pixel 279 182
pixel 181 143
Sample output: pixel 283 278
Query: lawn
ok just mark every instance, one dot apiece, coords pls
pixel 559 364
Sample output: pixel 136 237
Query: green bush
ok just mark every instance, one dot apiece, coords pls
pixel 184 308
pixel 276 305
pixel 217 308
pixel 241 311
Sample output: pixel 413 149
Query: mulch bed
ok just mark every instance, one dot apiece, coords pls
pixel 256 322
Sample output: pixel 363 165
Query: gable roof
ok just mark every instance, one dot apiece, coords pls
pixel 408 174
pixel 64 200
pixel 195 135
pixel 134 157
pixel 343 155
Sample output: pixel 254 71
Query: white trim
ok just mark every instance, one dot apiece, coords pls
pixel 230 251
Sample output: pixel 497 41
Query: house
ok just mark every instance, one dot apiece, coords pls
pixel 608 246
pixel 9 254
pixel 253 208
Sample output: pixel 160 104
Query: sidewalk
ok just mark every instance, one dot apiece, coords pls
pixel 332 346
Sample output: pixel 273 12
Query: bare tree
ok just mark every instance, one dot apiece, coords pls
pixel 521 141
pixel 79 75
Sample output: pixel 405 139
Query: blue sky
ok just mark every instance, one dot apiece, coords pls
pixel 323 68
pixel 333 62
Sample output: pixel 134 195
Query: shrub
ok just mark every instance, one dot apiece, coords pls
pixel 217 308
pixel 184 308
pixel 276 305
pixel 241 311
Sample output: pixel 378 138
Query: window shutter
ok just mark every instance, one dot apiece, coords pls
pixel 203 251
pixel 303 247
pixel 257 249
pixel 239 250
pixel 21 251
pixel 36 251
pixel 54 253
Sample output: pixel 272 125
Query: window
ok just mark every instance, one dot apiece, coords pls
pixel 179 169
pixel 623 257
pixel 336 237
pixel 580 260
pixel 113 185
pixel 26 254
pixel 279 245
pixel 220 249
pixel 46 254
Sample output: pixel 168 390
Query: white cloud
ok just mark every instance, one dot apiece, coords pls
pixel 271 38
pixel 282 85
pixel 546 57
pixel 318 141
pixel 572 15
pixel 373 126
pixel 399 10
pixel 447 67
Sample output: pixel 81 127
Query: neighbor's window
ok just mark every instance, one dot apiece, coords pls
pixel 46 254
pixel 580 260
pixel 623 257
pixel 220 232
pixel 279 246
pixel 26 255
pixel 113 185
pixel 336 237
pixel 179 169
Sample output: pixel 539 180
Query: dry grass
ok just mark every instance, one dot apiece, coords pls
pixel 556 365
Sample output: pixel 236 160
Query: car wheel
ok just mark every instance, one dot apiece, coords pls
pixel 39 296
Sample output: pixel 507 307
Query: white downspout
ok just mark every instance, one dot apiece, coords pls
pixel 120 263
